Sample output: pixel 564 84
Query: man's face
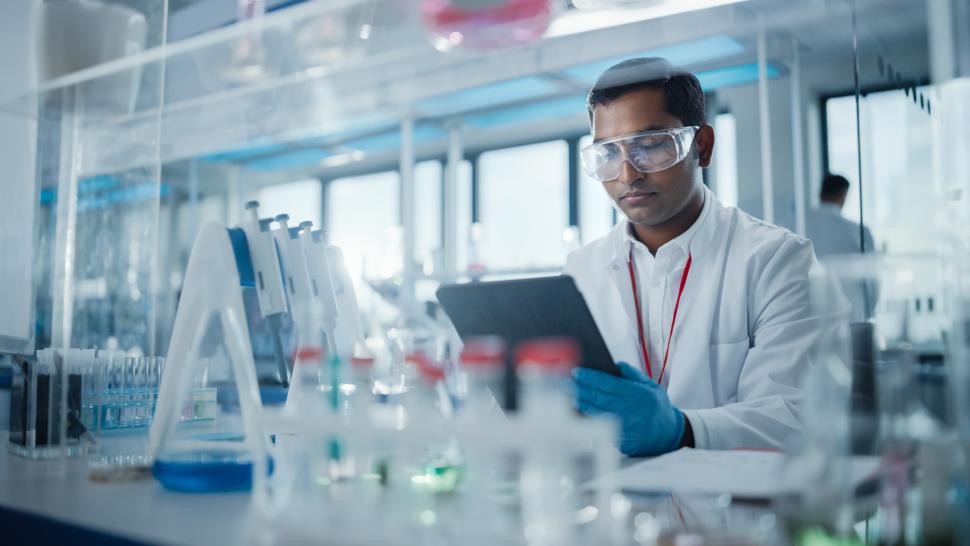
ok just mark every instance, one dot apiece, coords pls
pixel 649 199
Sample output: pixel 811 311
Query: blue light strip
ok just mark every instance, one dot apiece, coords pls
pixel 95 184
pixel 125 196
pixel 530 113
pixel 564 107
pixel 258 150
pixel 733 76
pixel 518 89
pixel 252 149
pixel 289 159
pixel 687 53
pixel 423 132
pixel 281 156
pixel 110 193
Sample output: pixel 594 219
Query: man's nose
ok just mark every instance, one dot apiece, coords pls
pixel 628 173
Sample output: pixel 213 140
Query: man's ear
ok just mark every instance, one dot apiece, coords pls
pixel 704 142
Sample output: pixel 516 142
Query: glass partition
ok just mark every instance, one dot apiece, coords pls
pixel 303 93
pixel 596 213
pixel 900 190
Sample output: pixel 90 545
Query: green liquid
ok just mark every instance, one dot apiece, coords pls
pixel 442 477
pixel 817 536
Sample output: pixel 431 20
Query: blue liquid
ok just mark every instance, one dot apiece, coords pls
pixel 209 471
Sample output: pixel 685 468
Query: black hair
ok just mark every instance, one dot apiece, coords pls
pixel 683 96
pixel 834 186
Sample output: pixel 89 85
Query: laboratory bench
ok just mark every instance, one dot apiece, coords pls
pixel 47 502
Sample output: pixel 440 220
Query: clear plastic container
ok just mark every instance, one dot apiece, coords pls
pixel 543 367
pixel 486 25
pixel 482 374
pixel 547 481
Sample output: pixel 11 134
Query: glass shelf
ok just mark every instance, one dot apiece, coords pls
pixel 305 78
pixel 312 71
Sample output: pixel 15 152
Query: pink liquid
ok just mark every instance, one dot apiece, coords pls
pixel 501 24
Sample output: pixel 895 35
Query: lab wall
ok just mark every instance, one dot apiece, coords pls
pixel 743 102
pixel 18 187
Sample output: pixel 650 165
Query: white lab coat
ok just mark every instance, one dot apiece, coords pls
pixel 744 329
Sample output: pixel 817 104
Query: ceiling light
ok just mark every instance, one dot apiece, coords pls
pixel 597 14
pixel 340 160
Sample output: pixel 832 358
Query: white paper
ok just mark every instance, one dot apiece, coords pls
pixel 741 473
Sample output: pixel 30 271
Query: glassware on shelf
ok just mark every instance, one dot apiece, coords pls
pixel 486 24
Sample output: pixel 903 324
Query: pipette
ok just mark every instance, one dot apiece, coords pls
pixel 267 267
pixel 321 283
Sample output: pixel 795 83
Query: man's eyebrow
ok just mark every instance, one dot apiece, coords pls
pixel 643 130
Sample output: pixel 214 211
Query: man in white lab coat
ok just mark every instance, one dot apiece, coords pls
pixel 706 309
pixel 834 235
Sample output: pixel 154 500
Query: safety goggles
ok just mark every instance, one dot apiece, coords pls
pixel 647 152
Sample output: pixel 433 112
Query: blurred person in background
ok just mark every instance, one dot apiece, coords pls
pixel 835 236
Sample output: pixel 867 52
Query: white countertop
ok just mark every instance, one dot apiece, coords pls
pixel 143 511
pixel 140 511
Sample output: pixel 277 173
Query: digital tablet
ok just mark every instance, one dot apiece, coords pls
pixel 522 309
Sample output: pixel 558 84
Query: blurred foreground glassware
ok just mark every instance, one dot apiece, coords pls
pixel 818 466
pixel 486 24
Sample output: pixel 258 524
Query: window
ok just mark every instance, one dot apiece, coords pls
pixel 464 212
pixel 362 219
pixel 523 195
pixel 726 160
pixel 903 203
pixel 842 150
pixel 300 200
pixel 427 210
pixel 596 213
pixel 900 199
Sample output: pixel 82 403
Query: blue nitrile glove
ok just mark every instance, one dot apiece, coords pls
pixel 649 423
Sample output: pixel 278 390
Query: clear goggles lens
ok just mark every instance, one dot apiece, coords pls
pixel 647 152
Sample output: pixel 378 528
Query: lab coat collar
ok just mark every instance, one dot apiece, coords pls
pixel 697 241
pixel 830 207
pixel 702 230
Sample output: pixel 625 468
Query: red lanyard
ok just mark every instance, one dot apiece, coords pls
pixel 673 321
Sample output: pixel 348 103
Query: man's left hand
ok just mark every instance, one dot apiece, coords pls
pixel 650 424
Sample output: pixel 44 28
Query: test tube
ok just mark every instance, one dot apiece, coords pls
pixel 140 389
pixel 89 392
pixel 127 395
pixel 158 366
pixel 151 388
pixel 113 380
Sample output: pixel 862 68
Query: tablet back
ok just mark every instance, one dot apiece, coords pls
pixel 521 309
